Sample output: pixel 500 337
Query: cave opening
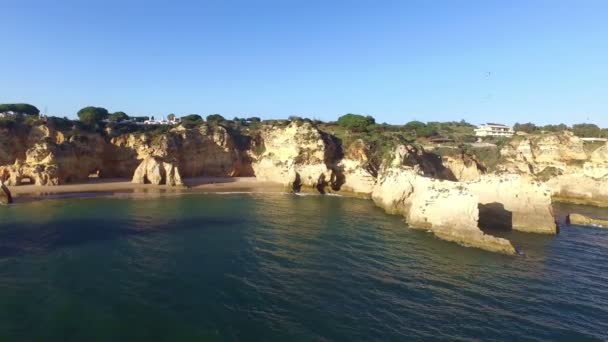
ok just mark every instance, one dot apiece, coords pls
pixel 493 217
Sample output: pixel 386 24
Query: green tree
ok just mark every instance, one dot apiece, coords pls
pixel 19 108
pixel 414 125
pixel 586 130
pixel 171 117
pixel 118 116
pixel 192 120
pixel 356 122
pixel 555 128
pixel 192 117
pixel 526 127
pixel 215 118
pixel 92 115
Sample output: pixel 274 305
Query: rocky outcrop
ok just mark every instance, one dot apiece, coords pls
pixel 463 167
pixel 531 154
pixel 201 151
pixel 46 162
pixel 42 155
pixel 446 208
pixel 298 155
pixel 583 220
pixel 562 161
pixel 154 170
pixel 357 170
pixel 5 194
pixel 519 201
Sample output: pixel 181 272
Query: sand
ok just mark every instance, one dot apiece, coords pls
pixel 121 187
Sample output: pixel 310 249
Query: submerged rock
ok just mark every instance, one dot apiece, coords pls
pixel 154 170
pixel 583 220
pixel 5 194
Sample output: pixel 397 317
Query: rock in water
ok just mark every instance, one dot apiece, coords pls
pixel 525 202
pixel 153 170
pixel 583 220
pixel 448 209
pixel 5 194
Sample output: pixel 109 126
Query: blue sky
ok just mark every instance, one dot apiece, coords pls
pixel 505 61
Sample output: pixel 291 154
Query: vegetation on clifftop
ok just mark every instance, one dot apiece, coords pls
pixel 443 138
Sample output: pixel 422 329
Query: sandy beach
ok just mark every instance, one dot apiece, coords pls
pixel 123 186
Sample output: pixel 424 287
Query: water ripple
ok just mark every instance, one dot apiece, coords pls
pixel 277 267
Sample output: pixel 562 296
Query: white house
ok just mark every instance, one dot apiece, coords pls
pixel 493 130
pixel 163 121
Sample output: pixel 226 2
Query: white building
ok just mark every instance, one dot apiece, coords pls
pixel 493 130
pixel 163 121
pixel 7 114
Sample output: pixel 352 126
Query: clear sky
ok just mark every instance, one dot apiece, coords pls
pixel 490 60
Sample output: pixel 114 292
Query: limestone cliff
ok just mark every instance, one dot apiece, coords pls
pixel 45 156
pixel 451 196
pixel 563 162
pixel 298 155
pixel 356 171
pixel 464 167
pixel 48 157
pixel 5 194
pixel 410 185
pixel 446 208
pixel 519 201
pixel 154 170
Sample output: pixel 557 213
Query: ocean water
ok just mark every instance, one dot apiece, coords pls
pixel 275 267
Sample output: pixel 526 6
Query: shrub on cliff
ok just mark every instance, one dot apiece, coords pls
pixel 585 130
pixel 356 122
pixel 422 129
pixel 192 120
pixel 19 108
pixel 118 116
pixel 215 119
pixel 92 115
pixel 61 124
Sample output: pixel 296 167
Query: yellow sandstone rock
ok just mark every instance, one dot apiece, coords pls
pixel 583 220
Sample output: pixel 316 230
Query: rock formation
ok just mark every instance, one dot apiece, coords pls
pixel 446 208
pixel 153 170
pixel 356 169
pixel 463 167
pixel 298 155
pixel 454 196
pixel 45 156
pixel 5 194
pixel 520 202
pixel 563 164
pixel 583 220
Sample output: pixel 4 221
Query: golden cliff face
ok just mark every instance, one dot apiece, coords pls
pixel 300 156
pixel 573 170
pixel 449 196
pixel 44 156
pixel 448 209
pixel 297 155
pixel 202 151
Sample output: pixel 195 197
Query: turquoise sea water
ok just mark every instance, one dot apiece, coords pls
pixel 283 267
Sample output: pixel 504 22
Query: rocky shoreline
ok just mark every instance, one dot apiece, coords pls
pixel 456 197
